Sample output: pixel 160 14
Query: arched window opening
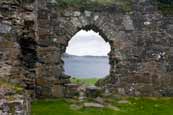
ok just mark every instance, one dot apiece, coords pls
pixel 86 57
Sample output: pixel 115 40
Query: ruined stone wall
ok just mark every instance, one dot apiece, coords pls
pixel 147 65
pixel 18 42
pixel 25 59
pixel 49 71
pixel 141 44
pixel 14 100
pixel 35 34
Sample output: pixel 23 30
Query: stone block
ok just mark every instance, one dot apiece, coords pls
pixel 58 91
pixel 43 32
pixel 128 23
pixel 93 91
pixel 139 78
pixel 48 55
pixel 4 28
pixel 76 13
pixel 7 44
pixel 71 90
pixel 87 13
pixel 43 14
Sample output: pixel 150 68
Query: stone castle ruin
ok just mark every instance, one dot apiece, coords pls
pixel 35 33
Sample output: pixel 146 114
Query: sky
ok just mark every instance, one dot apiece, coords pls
pixel 88 43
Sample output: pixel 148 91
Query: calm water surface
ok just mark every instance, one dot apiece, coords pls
pixel 86 66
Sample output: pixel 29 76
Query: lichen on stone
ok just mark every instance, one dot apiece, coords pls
pixel 9 87
pixel 13 100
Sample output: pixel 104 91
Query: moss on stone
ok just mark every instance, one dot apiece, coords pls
pixel 165 6
pixel 14 87
pixel 7 44
pixel 125 5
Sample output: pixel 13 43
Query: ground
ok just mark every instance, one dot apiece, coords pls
pixel 84 81
pixel 135 106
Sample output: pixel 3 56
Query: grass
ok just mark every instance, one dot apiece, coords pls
pixel 136 106
pixel 84 81
pixel 61 107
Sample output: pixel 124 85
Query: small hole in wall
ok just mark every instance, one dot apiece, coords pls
pixel 86 57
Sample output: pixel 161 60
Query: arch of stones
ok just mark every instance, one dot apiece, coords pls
pixel 34 35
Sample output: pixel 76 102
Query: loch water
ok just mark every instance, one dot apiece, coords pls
pixel 86 66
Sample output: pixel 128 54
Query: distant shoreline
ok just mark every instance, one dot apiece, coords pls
pixel 69 55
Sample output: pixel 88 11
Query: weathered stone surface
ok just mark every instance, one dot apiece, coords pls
pixel 123 102
pixel 96 105
pixel 13 100
pixel 93 91
pixel 57 91
pixel 4 28
pixel 113 108
pixel 99 100
pixel 76 13
pixel 34 37
pixel 128 23
pixel 72 90
pixel 75 107
pixel 29 17
pixel 87 13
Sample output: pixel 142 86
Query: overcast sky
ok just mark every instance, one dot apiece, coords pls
pixel 88 43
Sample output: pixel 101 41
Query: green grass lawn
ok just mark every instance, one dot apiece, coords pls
pixel 136 106
pixel 84 81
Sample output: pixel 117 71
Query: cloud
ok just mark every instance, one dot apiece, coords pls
pixel 88 43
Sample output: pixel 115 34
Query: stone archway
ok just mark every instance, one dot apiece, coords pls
pixel 114 54
pixel 68 23
pixel 129 57
pixel 110 22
